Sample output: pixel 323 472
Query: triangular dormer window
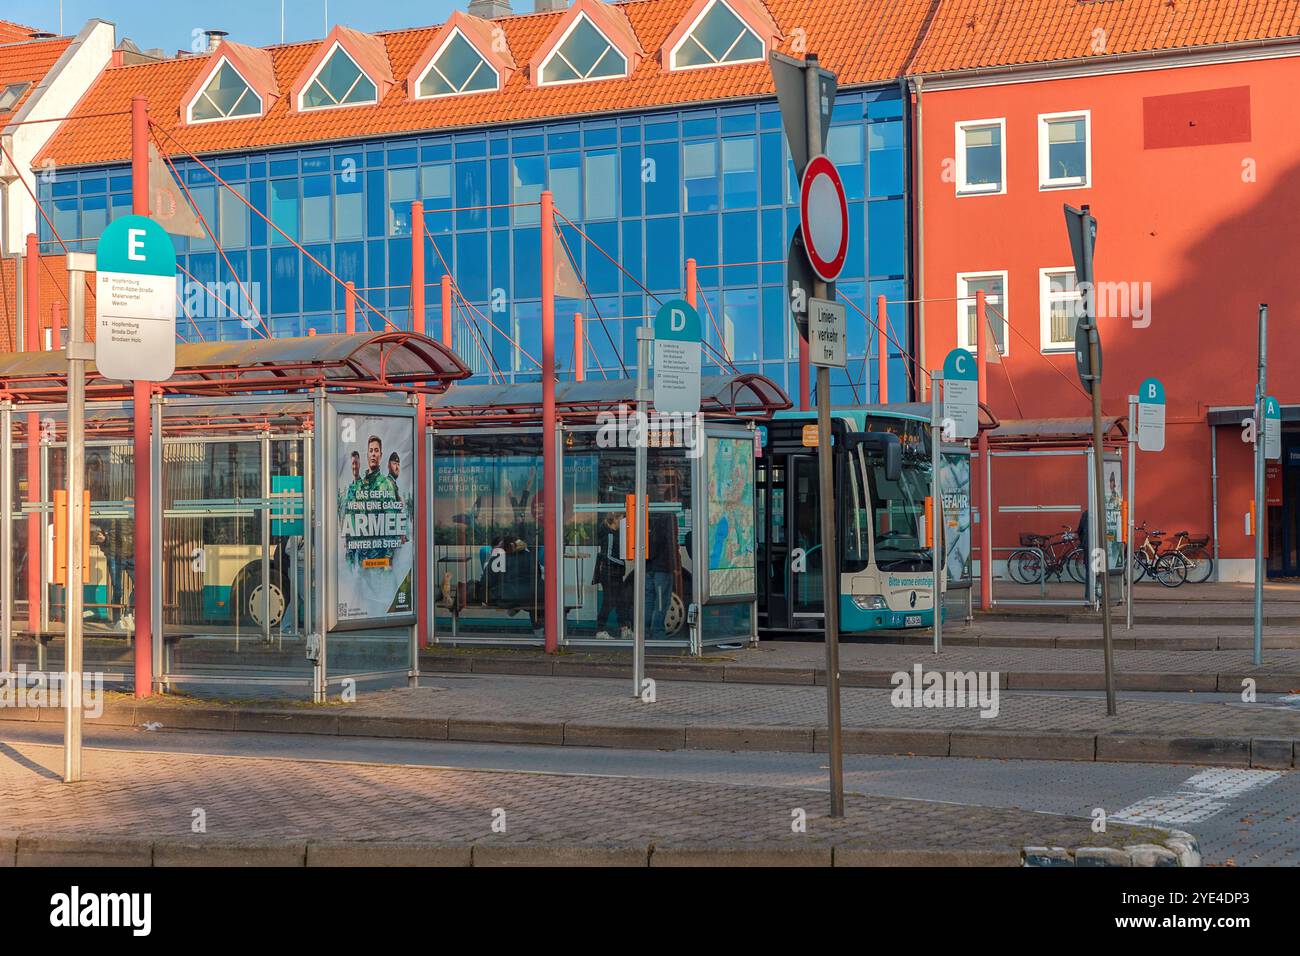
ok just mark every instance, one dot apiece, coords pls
pixel 338 81
pixel 719 36
pixel 584 53
pixel 227 95
pixel 457 67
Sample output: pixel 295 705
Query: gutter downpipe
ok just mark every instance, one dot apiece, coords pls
pixel 915 133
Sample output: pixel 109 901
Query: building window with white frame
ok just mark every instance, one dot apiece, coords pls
pixel 994 286
pixel 227 95
pixel 584 53
pixel 458 67
pixel 981 158
pixel 1064 150
pixel 338 82
pixel 1061 304
pixel 718 36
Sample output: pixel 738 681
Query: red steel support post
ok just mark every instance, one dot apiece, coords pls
pixel 692 284
pixel 985 470
pixel 32 333
pixel 805 399
pixel 423 624
pixel 579 350
pixel 882 345
pixel 550 499
pixel 446 311
pixel 350 308
pixel 141 430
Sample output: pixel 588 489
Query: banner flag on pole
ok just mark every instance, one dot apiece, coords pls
pixel 167 204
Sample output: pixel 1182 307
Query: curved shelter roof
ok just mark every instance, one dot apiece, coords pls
pixel 747 395
pixel 365 362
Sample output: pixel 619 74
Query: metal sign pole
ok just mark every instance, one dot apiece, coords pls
pixel 79 351
pixel 6 540
pixel 936 496
pixel 1259 520
pixel 640 516
pixel 1128 529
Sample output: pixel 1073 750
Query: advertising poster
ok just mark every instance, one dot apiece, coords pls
pixel 375 546
pixel 732 538
pixel 954 485
pixel 1114 499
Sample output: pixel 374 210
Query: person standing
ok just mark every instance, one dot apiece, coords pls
pixel 609 574
pixel 661 567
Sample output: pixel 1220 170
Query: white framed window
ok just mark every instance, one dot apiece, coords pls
pixel 1060 304
pixel 338 81
pixel 457 67
pixel 981 157
pixel 226 95
pixel 994 285
pixel 11 94
pixel 583 53
pixel 718 36
pixel 1064 150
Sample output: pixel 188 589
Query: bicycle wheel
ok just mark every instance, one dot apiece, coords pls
pixel 1141 564
pixel 1076 564
pixel 1025 566
pixel 1200 565
pixel 1170 569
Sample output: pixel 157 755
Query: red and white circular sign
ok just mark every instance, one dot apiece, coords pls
pixel 824 218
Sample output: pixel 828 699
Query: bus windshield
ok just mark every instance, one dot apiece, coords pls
pixel 898 509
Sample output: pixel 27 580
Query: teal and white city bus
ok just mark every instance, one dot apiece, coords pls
pixel 882 480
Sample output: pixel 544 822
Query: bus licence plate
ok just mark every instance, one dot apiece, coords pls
pixel 912 620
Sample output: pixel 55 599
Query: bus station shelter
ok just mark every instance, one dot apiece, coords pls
pixel 273 537
pixel 490 571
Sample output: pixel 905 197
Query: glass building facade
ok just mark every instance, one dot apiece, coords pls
pixel 650 189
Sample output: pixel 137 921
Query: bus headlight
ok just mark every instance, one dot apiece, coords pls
pixel 871 602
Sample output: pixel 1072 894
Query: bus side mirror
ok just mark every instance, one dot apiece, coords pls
pixel 890 448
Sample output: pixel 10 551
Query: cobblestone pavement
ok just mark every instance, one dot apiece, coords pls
pixel 154 796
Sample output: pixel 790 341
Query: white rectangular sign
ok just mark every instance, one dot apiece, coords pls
pixel 961 406
pixel 135 326
pixel 1151 426
pixel 827 328
pixel 677 377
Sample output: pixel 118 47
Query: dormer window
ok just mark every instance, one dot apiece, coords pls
pixel 11 94
pixel 457 68
pixel 718 36
pixel 338 82
pixel 584 53
pixel 226 96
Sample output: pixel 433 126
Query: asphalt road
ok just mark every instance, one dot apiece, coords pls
pixel 1241 817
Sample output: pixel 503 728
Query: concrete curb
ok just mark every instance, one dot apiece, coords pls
pixel 1180 849
pixel 1271 753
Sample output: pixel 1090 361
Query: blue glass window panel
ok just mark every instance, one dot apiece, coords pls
pixel 527 182
pixel 284 167
pixel 563 139
pixel 700 123
pixel 436 153
pixel 350 266
pixel 661 129
pixel 94 185
pixel 119 183
pixel 403 156
pixel 701 244
pixel 857 340
pixel 566 183
pixel 234 217
pixel 662 178
pixel 844 149
pixel 258 286
pixel 888 105
pixel 376 274
pixel 738 121
pixel 233 172
pixel 600 274
pixel 119 206
pixel 526 329
pixel 500 279
pixel 257 227
pixel 316 163
pixel 599 135
pixel 471 259
pixel 349 208
pixel 374 159
pixel 663 258
pixel 204 199
pixel 769 116
pixel 65 186
pixel 284 209
pixel 631 258
pixel 499 170
pixel 739 172
pixel 94 216
pixel 775 245
pixel 885 156
pixel 772 165
pixel 257 169
pixel 316 219
pixel 740 244
pixel 569 244
pixel 700 176
pixel 629 131
pixel 316 284
pixel 349 163
pixel 855 260
pixel 376 209
pixel 285 278
pixel 196 175
pixel 887 237
pixel 741 324
pixel 630 158
pixel 403 189
pixel 775 319
pixel 471 190
pixel 527 264
pixel 527 143
pixel 600 169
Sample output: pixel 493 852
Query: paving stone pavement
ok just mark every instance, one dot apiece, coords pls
pixel 153 796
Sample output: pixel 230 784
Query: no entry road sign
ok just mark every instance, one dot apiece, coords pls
pixel 824 218
pixel 135 301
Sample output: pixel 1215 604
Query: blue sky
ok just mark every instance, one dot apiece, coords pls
pixel 170 24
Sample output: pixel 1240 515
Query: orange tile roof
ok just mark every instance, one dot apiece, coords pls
pixel 27 63
pixel 969 34
pixel 862 49
pixel 11 32
pixel 863 41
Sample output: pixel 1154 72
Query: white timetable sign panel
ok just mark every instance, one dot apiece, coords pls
pixel 135 302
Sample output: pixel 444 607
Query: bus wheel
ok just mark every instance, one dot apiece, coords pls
pixel 675 616
pixel 248 598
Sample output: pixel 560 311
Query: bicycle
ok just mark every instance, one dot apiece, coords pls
pixel 1195 553
pixel 1045 556
pixel 1165 567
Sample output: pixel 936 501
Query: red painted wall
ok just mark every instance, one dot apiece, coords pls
pixel 1213 225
